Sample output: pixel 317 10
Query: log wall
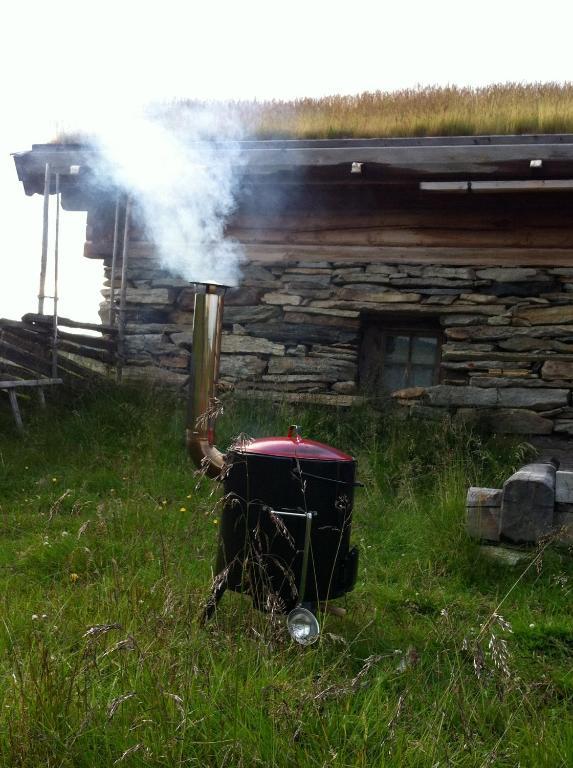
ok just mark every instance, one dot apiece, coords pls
pixel 495 272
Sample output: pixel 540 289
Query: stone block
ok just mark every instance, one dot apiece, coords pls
pixel 507 274
pixel 300 329
pixel 344 387
pixel 461 320
pixel 518 290
pixel 281 299
pixel 145 295
pixel 556 315
pixel 564 528
pixel 240 344
pixel 564 486
pixel 449 396
pixel 241 366
pixel 528 504
pixel 535 399
pixel 256 275
pixel 246 314
pixel 243 296
pixel 507 421
pixel 182 339
pixel 332 370
pixel 483 511
pixel 564 426
pixel 375 297
pixel 411 393
pixel 455 273
pixel 557 369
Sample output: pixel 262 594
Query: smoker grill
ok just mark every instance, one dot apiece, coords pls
pixel 285 525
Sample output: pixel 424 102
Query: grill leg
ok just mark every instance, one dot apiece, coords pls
pixel 212 603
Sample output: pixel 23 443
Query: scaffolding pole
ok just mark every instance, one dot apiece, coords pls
pixel 112 310
pixel 44 261
pixel 123 291
pixel 56 270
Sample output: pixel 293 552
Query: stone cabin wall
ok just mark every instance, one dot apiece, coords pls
pixel 503 299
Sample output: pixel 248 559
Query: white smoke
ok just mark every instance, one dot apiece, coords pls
pixel 181 166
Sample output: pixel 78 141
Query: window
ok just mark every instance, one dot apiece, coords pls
pixel 398 355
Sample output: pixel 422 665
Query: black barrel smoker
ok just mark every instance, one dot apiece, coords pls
pixel 286 520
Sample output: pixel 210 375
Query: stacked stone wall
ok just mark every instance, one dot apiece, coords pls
pixel 293 330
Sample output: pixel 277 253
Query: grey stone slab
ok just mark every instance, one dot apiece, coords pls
pixel 564 487
pixel 528 505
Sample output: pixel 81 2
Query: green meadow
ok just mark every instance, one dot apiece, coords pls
pixel 106 555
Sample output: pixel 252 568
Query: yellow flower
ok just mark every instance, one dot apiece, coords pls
pixel 54 479
pixel 215 522
pixel 183 509
pixel 189 495
pixel 74 577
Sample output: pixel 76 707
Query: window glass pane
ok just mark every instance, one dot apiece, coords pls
pixel 396 348
pixel 421 376
pixel 424 349
pixel 394 377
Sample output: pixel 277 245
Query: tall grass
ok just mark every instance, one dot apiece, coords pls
pixel 504 108
pixel 106 558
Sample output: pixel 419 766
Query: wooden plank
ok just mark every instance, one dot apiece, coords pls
pixel 66 365
pixel 16 410
pixel 82 351
pixel 67 323
pixel 523 185
pixel 526 237
pixel 25 359
pixel 478 257
pixel 373 254
pixel 38 344
pixel 94 342
pixel 29 383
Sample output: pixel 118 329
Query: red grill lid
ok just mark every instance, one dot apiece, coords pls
pixel 294 446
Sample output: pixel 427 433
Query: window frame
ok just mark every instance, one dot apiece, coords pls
pixel 401 326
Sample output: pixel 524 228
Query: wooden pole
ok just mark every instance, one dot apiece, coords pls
pixel 56 270
pixel 44 260
pixel 123 291
pixel 112 311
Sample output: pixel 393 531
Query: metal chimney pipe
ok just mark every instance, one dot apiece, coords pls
pixel 202 410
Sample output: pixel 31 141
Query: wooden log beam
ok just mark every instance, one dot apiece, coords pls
pixel 67 323
pixel 10 384
pixel 443 256
pixel 82 351
pixel 27 360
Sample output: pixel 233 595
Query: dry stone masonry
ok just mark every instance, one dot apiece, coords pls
pixel 293 330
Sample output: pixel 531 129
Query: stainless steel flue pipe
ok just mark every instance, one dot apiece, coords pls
pixel 203 404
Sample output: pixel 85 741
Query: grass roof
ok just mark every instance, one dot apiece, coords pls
pixel 504 108
pixel 510 108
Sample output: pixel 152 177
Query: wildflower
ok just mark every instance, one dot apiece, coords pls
pixel 189 495
pixel 74 577
pixel 531 626
pixel 64 534
pixel 54 479
pixel 35 617
pixel 215 521
pixel 183 509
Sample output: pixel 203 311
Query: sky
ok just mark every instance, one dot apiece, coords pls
pixel 77 65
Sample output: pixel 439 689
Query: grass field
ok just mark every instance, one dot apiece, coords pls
pixel 105 559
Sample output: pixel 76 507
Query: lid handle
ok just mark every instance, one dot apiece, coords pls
pixel 294 433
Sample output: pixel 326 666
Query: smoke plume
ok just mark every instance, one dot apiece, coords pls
pixel 181 167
